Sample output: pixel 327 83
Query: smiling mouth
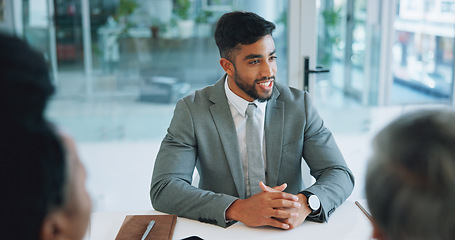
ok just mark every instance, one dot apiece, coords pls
pixel 266 81
pixel 266 84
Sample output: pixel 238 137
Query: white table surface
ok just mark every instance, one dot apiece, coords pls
pixel 347 222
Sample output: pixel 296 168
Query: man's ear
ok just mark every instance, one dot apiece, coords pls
pixel 227 66
pixel 53 226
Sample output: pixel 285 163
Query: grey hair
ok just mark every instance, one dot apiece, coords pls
pixel 410 183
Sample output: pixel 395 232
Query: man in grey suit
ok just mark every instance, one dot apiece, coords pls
pixel 208 131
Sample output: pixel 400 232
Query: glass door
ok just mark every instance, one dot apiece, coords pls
pixel 355 48
pixel 331 47
pixel 342 43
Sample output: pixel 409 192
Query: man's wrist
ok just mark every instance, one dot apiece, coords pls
pixel 313 203
pixel 231 214
pixel 228 221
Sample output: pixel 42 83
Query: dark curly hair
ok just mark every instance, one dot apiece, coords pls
pixel 32 157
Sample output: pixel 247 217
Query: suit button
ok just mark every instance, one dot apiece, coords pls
pixel 330 212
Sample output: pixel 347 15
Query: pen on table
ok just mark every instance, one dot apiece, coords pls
pixel 363 210
pixel 147 231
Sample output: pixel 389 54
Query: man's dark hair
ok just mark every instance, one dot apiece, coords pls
pixel 410 184
pixel 238 27
pixel 33 165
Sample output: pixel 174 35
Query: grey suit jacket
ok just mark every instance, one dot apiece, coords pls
pixel 202 135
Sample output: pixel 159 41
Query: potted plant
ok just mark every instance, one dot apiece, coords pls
pixel 125 9
pixel 204 28
pixel 331 38
pixel 185 23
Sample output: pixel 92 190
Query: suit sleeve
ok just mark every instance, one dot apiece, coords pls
pixel 334 180
pixel 171 190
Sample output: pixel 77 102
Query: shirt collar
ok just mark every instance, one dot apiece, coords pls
pixel 239 103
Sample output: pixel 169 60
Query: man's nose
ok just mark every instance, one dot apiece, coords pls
pixel 268 70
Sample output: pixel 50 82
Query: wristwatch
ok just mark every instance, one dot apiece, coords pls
pixel 313 202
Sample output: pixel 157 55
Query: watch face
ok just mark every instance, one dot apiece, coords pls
pixel 313 202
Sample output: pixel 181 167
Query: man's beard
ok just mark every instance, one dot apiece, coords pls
pixel 250 90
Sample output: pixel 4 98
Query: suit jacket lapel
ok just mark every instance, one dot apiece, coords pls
pixel 222 117
pixel 274 124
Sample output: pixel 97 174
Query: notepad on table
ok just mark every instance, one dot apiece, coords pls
pixel 134 226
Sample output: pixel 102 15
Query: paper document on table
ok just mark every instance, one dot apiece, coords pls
pixel 134 226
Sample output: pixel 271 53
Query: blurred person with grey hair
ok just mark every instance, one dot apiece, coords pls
pixel 410 183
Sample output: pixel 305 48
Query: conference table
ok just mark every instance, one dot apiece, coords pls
pixel 347 222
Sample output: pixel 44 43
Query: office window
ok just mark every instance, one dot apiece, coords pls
pixel 423 55
pixel 351 44
pixel 448 7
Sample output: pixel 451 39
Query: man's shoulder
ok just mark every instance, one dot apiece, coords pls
pixel 202 94
pixel 208 95
pixel 290 94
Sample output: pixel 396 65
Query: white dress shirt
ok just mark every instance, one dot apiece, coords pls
pixel 238 107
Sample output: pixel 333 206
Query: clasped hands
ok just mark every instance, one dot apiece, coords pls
pixel 271 207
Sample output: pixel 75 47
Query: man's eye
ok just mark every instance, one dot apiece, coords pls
pixel 254 62
pixel 273 58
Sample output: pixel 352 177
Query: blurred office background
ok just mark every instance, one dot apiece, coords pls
pixel 119 66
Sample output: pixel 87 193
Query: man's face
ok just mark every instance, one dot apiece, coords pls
pixel 254 70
